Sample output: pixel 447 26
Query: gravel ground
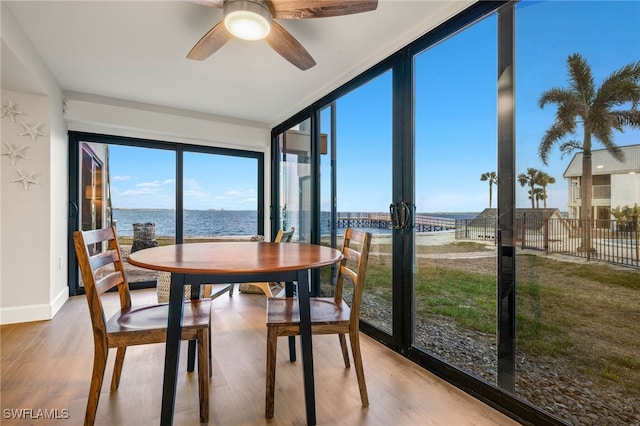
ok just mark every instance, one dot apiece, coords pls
pixel 544 382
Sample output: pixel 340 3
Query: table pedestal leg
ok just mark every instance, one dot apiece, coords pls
pixel 306 346
pixel 172 349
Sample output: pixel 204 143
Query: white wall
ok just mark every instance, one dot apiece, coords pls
pixel 33 285
pixel 625 190
pixel 26 240
pixel 96 114
pixel 33 224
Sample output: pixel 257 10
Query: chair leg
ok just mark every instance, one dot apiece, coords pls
pixel 203 374
pixel 231 289
pixel 345 352
pixel 99 366
pixel 117 368
pixel 354 336
pixel 272 348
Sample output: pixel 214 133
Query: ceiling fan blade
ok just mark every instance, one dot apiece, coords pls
pixel 210 3
pixel 296 9
pixel 288 47
pixel 210 42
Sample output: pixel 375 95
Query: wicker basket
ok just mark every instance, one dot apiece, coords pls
pixel 163 283
pixel 163 280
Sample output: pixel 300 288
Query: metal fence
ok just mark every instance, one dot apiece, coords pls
pixel 610 240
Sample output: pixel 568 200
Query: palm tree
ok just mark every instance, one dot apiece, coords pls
pixel 595 109
pixel 545 179
pixel 530 178
pixel 492 177
pixel 537 194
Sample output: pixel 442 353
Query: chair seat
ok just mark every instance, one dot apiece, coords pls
pixel 324 310
pixel 154 317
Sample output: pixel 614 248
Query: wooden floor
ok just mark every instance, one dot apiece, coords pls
pixel 47 365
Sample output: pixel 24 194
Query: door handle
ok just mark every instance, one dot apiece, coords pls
pixel 395 216
pixel 73 209
pixel 405 216
pixel 400 215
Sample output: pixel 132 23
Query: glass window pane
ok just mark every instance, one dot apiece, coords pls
pixel 364 178
pixel 141 184
pixel 455 149
pixel 295 180
pixel 578 334
pixel 220 196
pixel 328 208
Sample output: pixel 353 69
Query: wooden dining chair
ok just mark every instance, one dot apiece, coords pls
pixel 101 267
pixel 281 237
pixel 329 315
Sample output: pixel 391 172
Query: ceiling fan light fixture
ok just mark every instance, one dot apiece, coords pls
pixel 248 20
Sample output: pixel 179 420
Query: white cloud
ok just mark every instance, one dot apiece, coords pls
pixel 154 184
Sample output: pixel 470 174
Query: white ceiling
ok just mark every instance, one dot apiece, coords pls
pixel 136 51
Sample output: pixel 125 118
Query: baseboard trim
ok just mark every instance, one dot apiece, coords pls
pixel 29 313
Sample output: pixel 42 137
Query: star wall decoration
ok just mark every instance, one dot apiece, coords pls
pixel 26 179
pixel 16 153
pixel 10 110
pixel 32 131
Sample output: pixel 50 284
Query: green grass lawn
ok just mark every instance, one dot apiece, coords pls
pixel 583 315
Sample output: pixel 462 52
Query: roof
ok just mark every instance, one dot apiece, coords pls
pixel 604 164
pixel 535 217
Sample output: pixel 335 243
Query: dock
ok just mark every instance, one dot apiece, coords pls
pixel 423 223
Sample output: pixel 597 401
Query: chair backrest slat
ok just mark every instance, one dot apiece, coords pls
pixel 284 236
pixel 97 235
pixel 348 273
pixel 101 259
pixel 108 282
pixel 350 254
pixel 357 276
pixel 98 283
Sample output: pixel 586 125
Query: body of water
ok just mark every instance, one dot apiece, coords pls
pixel 203 223
pixel 197 223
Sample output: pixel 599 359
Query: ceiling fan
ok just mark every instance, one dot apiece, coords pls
pixel 254 20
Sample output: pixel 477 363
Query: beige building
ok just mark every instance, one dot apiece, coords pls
pixel 615 183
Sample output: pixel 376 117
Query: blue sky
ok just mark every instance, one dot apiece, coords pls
pixel 455 120
pixel 145 178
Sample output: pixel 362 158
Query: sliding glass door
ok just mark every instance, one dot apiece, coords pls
pixel 477 134
pixel 356 186
pixel 131 188
pixel 158 193
pixel 454 285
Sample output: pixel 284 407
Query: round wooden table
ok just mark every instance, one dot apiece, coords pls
pixel 234 262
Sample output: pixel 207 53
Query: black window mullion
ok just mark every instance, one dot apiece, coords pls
pixel 179 195
pixel 506 200
pixel 403 191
